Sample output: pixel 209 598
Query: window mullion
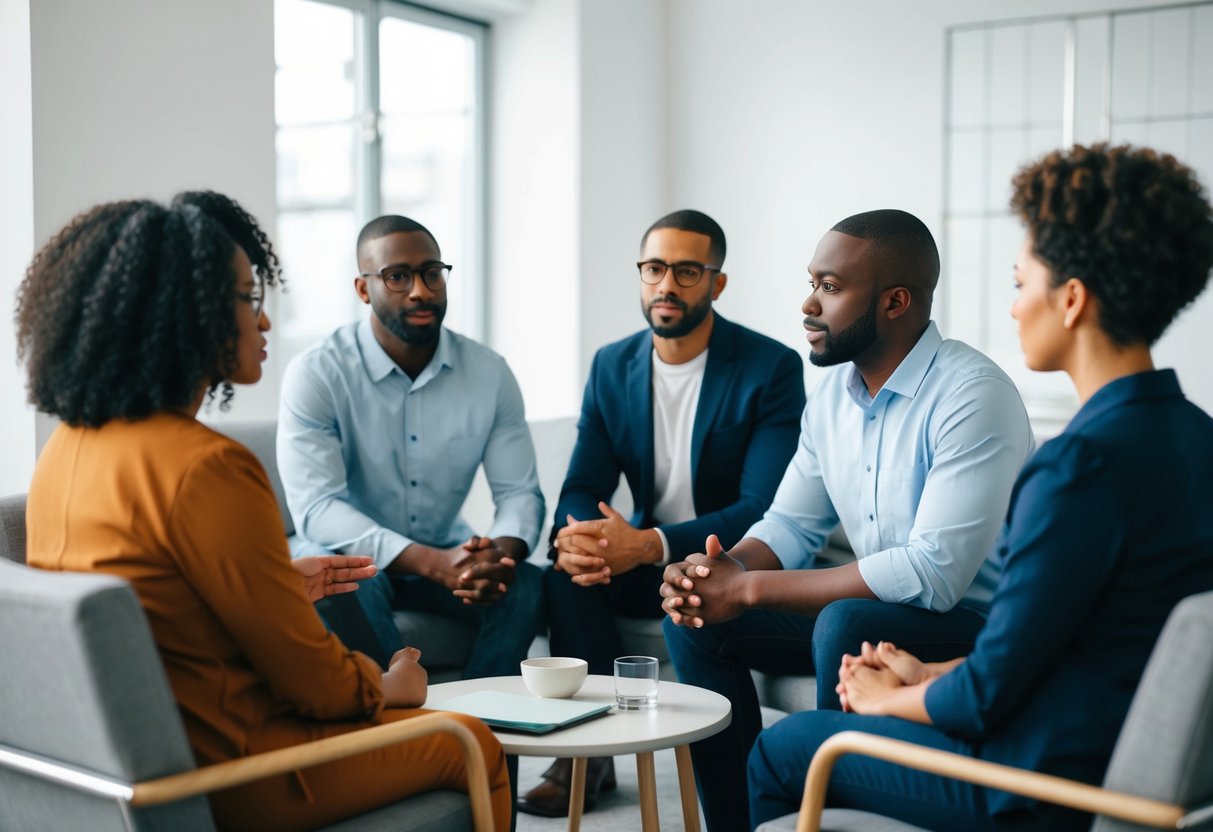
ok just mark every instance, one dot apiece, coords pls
pixel 368 148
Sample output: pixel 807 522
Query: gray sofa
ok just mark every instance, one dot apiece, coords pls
pixel 446 643
pixel 91 739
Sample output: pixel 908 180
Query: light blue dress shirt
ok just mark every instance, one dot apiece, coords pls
pixel 373 461
pixel 919 476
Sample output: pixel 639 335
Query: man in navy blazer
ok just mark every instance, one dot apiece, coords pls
pixel 701 416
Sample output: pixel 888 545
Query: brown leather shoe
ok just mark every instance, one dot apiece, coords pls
pixel 550 798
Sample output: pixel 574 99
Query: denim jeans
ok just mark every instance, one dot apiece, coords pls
pixel 720 657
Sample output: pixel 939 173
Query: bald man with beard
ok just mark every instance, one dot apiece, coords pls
pixel 911 442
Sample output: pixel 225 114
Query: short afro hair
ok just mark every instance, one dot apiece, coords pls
pixel 131 308
pixel 904 241
pixel 696 222
pixel 390 224
pixel 1133 225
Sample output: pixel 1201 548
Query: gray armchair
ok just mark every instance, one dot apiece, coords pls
pixel 91 739
pixel 1160 775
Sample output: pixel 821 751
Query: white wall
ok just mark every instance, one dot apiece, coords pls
pixel 16 238
pixel 142 98
pixel 625 138
pixel 534 291
pixel 806 112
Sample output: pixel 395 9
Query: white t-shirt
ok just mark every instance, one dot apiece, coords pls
pixel 675 401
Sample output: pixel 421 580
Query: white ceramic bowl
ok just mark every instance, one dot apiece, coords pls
pixel 555 677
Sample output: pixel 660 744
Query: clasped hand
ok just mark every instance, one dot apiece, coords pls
pixel 866 680
pixel 480 571
pixel 325 575
pixel 703 589
pixel 591 551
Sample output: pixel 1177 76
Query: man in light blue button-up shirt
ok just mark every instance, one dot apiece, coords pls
pixel 382 427
pixel 912 443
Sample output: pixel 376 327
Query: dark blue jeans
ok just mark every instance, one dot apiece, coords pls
pixel 581 619
pixel 720 658
pixel 780 760
pixel 505 628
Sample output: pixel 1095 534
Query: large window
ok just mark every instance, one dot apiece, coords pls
pixel 1019 88
pixel 379 107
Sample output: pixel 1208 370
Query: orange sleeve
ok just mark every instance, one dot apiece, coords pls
pixel 229 542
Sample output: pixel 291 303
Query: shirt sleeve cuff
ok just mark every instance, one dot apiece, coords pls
pixel 513 522
pixel 388 547
pixel 890 578
pixel 665 546
pixel 784 543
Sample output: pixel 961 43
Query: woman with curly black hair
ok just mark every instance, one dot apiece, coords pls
pixel 129 319
pixel 1106 532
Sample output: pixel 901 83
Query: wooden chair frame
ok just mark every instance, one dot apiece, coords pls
pixel 248 769
pixel 1046 787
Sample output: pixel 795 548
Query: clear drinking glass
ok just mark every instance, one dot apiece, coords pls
pixel 635 683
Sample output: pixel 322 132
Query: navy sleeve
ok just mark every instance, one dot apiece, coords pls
pixel 1059 551
pixel 594 470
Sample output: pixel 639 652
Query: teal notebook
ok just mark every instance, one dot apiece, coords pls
pixel 514 712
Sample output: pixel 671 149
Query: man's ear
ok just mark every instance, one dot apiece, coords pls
pixel 360 287
pixel 718 285
pixel 1075 299
pixel 897 301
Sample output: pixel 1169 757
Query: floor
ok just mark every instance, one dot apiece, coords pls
pixel 619 809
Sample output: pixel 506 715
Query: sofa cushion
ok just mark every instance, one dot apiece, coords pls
pixel 12 528
pixel 842 820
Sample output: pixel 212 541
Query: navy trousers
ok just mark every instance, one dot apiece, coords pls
pixel 780 760
pixel 720 658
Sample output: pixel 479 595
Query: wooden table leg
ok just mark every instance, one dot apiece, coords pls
pixel 647 780
pixel 577 793
pixel 686 787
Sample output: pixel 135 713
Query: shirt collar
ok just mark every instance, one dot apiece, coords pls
pixel 379 365
pixel 908 376
pixel 1152 384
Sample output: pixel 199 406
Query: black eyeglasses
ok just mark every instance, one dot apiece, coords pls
pixel 399 278
pixel 686 272
pixel 255 298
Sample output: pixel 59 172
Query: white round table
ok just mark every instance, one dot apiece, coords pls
pixel 684 714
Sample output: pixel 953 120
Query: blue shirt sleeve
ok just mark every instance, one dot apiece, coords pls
pixel 979 437
pixel 801 515
pixel 313 472
pixel 509 467
pixel 1057 558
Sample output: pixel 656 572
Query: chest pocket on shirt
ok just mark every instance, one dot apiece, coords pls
pixel 458 467
pixel 898 491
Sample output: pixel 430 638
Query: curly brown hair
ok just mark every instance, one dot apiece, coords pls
pixel 130 308
pixel 1134 225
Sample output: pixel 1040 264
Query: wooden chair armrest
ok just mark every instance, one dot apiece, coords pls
pixel 247 769
pixel 1044 787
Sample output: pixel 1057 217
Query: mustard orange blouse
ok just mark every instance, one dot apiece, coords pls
pixel 188 517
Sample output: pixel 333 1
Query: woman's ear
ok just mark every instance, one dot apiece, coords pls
pixel 1074 298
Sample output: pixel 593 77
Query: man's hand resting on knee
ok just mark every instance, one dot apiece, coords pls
pixel 706 588
pixel 591 551
pixel 479 572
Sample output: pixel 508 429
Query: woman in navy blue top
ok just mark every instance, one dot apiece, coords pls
pixel 1108 527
